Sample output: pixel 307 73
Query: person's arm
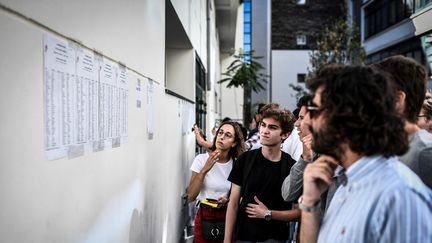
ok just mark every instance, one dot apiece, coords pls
pixel 317 178
pixel 310 225
pixel 231 214
pixel 200 139
pixel 259 211
pixel 293 183
pixel 197 179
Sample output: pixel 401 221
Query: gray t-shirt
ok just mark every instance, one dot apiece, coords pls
pixel 419 156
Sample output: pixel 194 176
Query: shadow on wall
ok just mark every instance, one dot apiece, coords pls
pixel 148 223
pixel 144 227
pixel 136 232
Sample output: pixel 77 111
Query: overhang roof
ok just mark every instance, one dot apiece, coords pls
pixel 226 20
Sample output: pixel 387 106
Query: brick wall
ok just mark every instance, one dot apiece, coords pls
pixel 290 19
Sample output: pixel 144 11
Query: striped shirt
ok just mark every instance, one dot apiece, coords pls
pixel 382 201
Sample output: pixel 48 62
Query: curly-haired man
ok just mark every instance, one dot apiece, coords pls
pixel 354 124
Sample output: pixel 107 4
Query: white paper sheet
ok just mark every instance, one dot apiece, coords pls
pixel 123 96
pixel 108 71
pixel 59 95
pixel 150 109
pixel 85 99
pixel 87 85
pixel 187 116
pixel 139 93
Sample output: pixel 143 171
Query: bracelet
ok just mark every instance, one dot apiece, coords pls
pixel 314 208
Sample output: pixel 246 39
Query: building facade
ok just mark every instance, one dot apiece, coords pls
pixel 283 34
pixel 169 55
pixel 402 27
pixel 296 27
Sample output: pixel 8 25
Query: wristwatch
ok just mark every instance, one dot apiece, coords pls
pixel 268 215
pixel 314 208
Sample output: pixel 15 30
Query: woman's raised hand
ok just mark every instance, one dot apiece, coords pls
pixel 213 158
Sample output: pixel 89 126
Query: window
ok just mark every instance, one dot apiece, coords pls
pixel 301 40
pixel 200 98
pixel 421 4
pixel 301 2
pixel 382 14
pixel 247 40
pixel 301 77
pixel 247 27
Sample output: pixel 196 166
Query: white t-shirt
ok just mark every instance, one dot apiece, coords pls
pixel 216 182
pixel 293 145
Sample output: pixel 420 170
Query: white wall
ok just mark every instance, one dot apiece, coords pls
pixel 125 194
pixel 180 72
pixel 422 21
pixel 192 14
pixel 285 67
pixel 231 100
pixel 213 111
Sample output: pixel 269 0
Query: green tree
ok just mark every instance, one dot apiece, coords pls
pixel 244 71
pixel 339 44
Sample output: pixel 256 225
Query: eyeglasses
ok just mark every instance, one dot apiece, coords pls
pixel 226 134
pixel 313 109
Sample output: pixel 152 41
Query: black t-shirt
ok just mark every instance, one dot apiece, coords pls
pixel 264 181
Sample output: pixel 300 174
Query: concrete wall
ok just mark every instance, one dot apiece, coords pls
pixel 261 44
pixel 286 64
pixel 125 194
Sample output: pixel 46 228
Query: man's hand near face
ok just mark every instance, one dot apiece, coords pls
pixel 317 178
pixel 307 147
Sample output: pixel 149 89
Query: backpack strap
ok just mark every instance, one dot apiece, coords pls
pixel 249 162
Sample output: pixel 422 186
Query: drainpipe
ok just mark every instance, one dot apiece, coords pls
pixel 208 44
pixel 208 88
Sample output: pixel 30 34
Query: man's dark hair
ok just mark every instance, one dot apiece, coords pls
pixel 226 119
pixel 243 130
pixel 304 100
pixel 260 106
pixel 316 79
pixel 296 112
pixel 358 109
pixel 410 77
pixel 283 116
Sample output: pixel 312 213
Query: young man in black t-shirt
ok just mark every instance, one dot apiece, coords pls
pixel 256 210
